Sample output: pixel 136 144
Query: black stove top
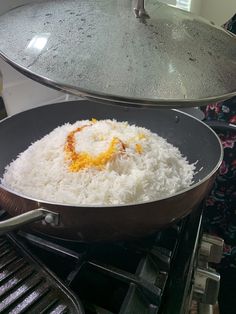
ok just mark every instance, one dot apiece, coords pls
pixel 150 275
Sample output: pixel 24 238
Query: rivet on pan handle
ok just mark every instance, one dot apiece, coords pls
pixel 38 214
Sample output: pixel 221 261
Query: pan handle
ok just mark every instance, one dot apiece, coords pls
pixel 34 215
pixel 220 125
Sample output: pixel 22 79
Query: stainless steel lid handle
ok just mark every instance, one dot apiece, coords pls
pixel 38 214
pixel 139 10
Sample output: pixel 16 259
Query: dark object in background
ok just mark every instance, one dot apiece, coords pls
pixel 227 300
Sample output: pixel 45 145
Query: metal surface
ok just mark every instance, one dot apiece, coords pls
pixel 206 279
pixel 206 286
pixel 178 296
pixel 221 125
pixel 211 249
pixel 98 49
pixel 162 260
pixel 205 309
pixel 34 215
pixel 139 10
pixel 28 287
pixel 118 277
pixel 100 223
pixel 195 112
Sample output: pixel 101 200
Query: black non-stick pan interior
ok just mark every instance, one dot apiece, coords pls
pixel 194 139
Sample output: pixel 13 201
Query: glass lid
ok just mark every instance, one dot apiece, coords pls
pixel 109 51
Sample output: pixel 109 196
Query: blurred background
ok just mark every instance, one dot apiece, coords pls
pixel 217 11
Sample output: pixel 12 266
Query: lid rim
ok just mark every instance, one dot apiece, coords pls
pixel 114 99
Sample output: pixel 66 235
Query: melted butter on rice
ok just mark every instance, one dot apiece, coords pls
pixel 99 162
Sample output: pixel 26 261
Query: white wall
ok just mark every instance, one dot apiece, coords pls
pixel 218 11
pixel 196 5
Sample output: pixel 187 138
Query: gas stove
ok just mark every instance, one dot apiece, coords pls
pixel 159 274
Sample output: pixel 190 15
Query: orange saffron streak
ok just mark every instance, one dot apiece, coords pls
pixel 84 160
pixel 138 148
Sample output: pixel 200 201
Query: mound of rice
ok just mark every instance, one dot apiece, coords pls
pixel 114 163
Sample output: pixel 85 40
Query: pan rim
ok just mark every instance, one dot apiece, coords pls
pixel 191 187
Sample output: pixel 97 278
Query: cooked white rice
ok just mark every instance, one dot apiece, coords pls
pixel 150 168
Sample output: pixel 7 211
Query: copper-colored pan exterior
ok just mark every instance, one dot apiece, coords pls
pixel 95 224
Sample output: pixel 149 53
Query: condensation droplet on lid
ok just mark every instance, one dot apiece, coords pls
pixel 177 119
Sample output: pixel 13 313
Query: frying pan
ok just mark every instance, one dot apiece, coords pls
pixel 105 223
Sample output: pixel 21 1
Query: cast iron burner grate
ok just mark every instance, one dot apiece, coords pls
pixel 147 276
pixel 27 287
pixel 122 277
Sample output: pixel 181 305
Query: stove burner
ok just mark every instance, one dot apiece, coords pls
pixel 26 286
pixel 150 275
pixel 111 277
